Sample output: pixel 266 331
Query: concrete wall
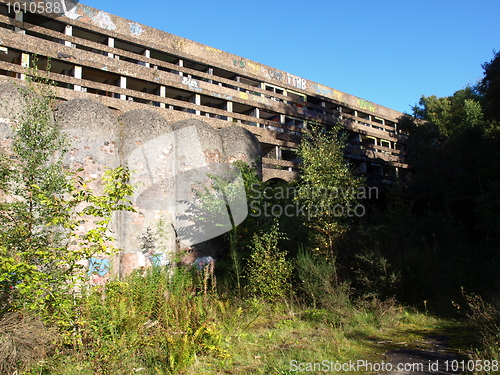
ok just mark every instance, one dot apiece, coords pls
pixel 160 154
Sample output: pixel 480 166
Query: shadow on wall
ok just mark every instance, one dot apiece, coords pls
pixel 170 161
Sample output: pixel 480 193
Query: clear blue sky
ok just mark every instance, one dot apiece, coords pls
pixel 388 52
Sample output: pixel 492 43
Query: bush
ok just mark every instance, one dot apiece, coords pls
pixel 268 272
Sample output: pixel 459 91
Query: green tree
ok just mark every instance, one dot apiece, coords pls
pixel 41 208
pixel 327 188
pixel 489 87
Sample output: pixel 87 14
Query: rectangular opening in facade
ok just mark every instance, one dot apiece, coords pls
pixel 143 86
pixel 4 11
pixel 270 116
pixel 158 55
pixel 296 96
pixel 195 66
pixel 249 82
pixel 224 73
pixel 363 115
pixel 314 100
pixel 275 89
pixel 56 66
pixel 100 76
pixel 129 47
pixel 12 56
pixel 367 140
pixel 348 111
pixel 178 94
pixel 48 23
pixel 43 36
pixel 243 109
pixel 385 143
pixel 89 35
pixel 210 101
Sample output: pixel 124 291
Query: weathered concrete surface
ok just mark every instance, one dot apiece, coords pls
pixel 158 152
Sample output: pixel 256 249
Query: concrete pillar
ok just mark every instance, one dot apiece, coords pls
pixel 256 113
pixel 111 43
pixel 68 30
pixel 229 108
pixel 19 17
pixel 163 94
pixel 77 74
pixel 197 101
pixel 123 85
pixel 181 64
pixel 25 62
pixel 147 53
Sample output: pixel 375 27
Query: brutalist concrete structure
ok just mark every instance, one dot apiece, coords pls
pixel 126 65
pixel 124 89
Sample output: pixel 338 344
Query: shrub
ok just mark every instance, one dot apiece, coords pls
pixel 268 272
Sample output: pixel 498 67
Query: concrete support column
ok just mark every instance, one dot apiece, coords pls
pixel 163 94
pixel 229 108
pixel 256 113
pixel 77 74
pixel 123 85
pixel 25 62
pixel 147 53
pixel 197 101
pixel 111 44
pixel 181 64
pixel 19 17
pixel 211 72
pixel 68 30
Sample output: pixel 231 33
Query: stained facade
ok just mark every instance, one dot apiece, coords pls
pixel 126 66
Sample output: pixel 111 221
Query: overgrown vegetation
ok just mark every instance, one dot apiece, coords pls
pixel 318 281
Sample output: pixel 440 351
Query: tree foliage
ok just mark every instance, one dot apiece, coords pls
pixel 41 209
pixel 327 187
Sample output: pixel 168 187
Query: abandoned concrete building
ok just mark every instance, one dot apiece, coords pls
pixel 126 65
pixel 167 106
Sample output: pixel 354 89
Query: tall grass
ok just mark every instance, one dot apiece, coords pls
pixel 154 321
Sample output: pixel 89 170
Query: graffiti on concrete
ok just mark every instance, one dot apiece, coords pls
pixel 80 12
pixel 322 90
pixel 254 68
pixel 191 83
pixel 364 104
pixel 221 96
pixel 297 82
pixel 158 260
pixel 177 43
pixel 202 262
pixel 276 74
pixel 136 29
pixel 104 21
pixel 338 95
pixel 212 49
pixel 98 270
pixel 239 63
